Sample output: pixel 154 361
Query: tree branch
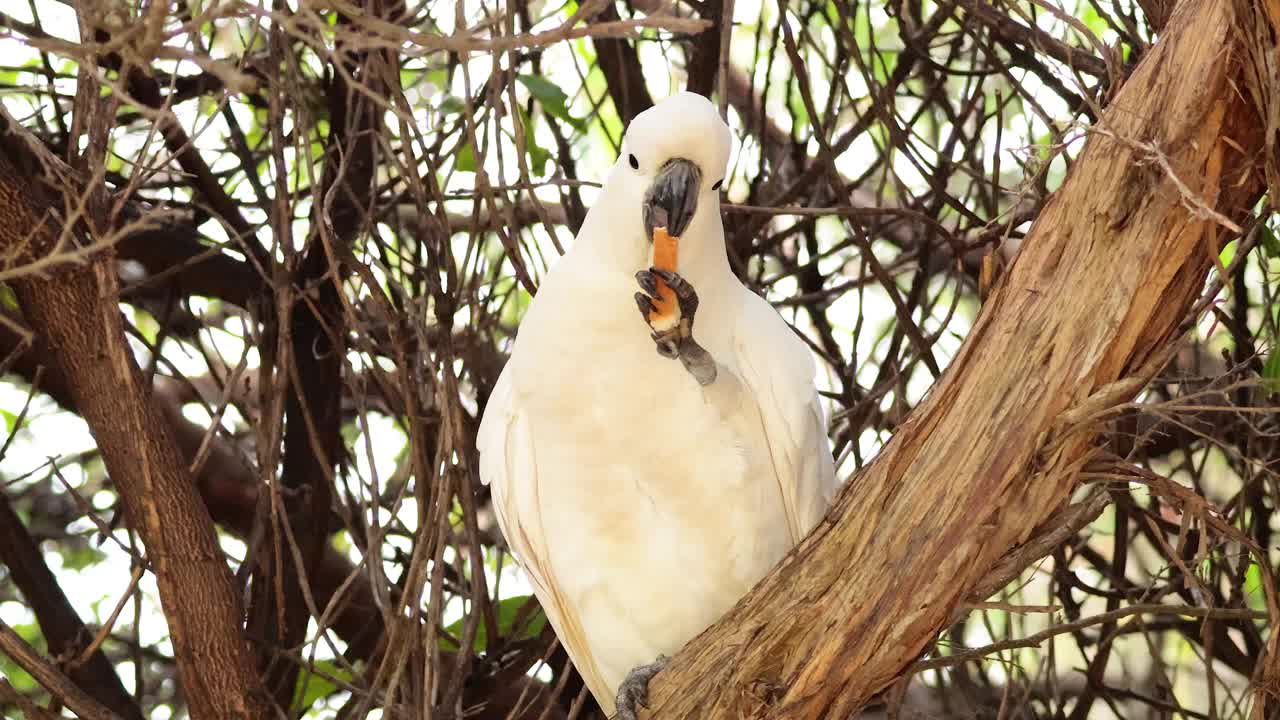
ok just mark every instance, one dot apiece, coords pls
pixel 1079 324
pixel 313 442
pixel 58 685
pixel 623 73
pixel 76 313
pixel 61 626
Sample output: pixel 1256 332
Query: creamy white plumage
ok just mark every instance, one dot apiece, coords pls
pixel 641 504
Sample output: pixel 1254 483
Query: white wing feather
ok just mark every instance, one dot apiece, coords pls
pixel 508 465
pixel 778 370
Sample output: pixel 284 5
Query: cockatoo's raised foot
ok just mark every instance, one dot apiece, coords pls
pixel 673 336
pixel 686 296
pixel 634 690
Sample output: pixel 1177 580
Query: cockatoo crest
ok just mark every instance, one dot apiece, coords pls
pixel 684 127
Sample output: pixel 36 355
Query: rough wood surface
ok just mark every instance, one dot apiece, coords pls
pixel 1103 281
pixel 74 309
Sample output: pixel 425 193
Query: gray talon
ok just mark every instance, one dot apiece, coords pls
pixel 685 294
pixel 648 282
pixel 634 690
pixel 645 303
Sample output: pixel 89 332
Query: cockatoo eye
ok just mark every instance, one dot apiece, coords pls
pixel 635 164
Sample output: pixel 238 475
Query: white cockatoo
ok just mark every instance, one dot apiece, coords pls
pixel 645 492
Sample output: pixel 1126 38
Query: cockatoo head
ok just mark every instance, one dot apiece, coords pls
pixel 674 156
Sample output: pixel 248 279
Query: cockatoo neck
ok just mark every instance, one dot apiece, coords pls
pixel 702 259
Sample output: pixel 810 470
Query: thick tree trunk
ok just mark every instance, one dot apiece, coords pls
pixel 74 310
pixel 1102 284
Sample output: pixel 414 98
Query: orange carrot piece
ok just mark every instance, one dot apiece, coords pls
pixel 664 258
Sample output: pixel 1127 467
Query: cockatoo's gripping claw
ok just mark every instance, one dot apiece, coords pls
pixel 648 282
pixel 667 343
pixel 634 690
pixel 685 294
pixel 675 340
pixel 667 332
pixel 645 303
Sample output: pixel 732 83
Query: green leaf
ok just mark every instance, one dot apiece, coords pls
pixel 439 78
pixel 516 306
pixel 312 686
pixel 350 432
pixel 551 97
pixel 13 672
pixel 115 163
pixel 81 558
pixel 1253 594
pixel 795 103
pixel 1269 241
pixel 1094 21
pixel 8 300
pixel 147 326
pixel 1228 253
pixel 409 77
pixel 507 611
pixel 451 105
pixel 538 155
pixel 10 421
pixel 465 159
pixel 1271 370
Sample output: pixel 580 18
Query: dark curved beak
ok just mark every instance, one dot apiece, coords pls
pixel 672 199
